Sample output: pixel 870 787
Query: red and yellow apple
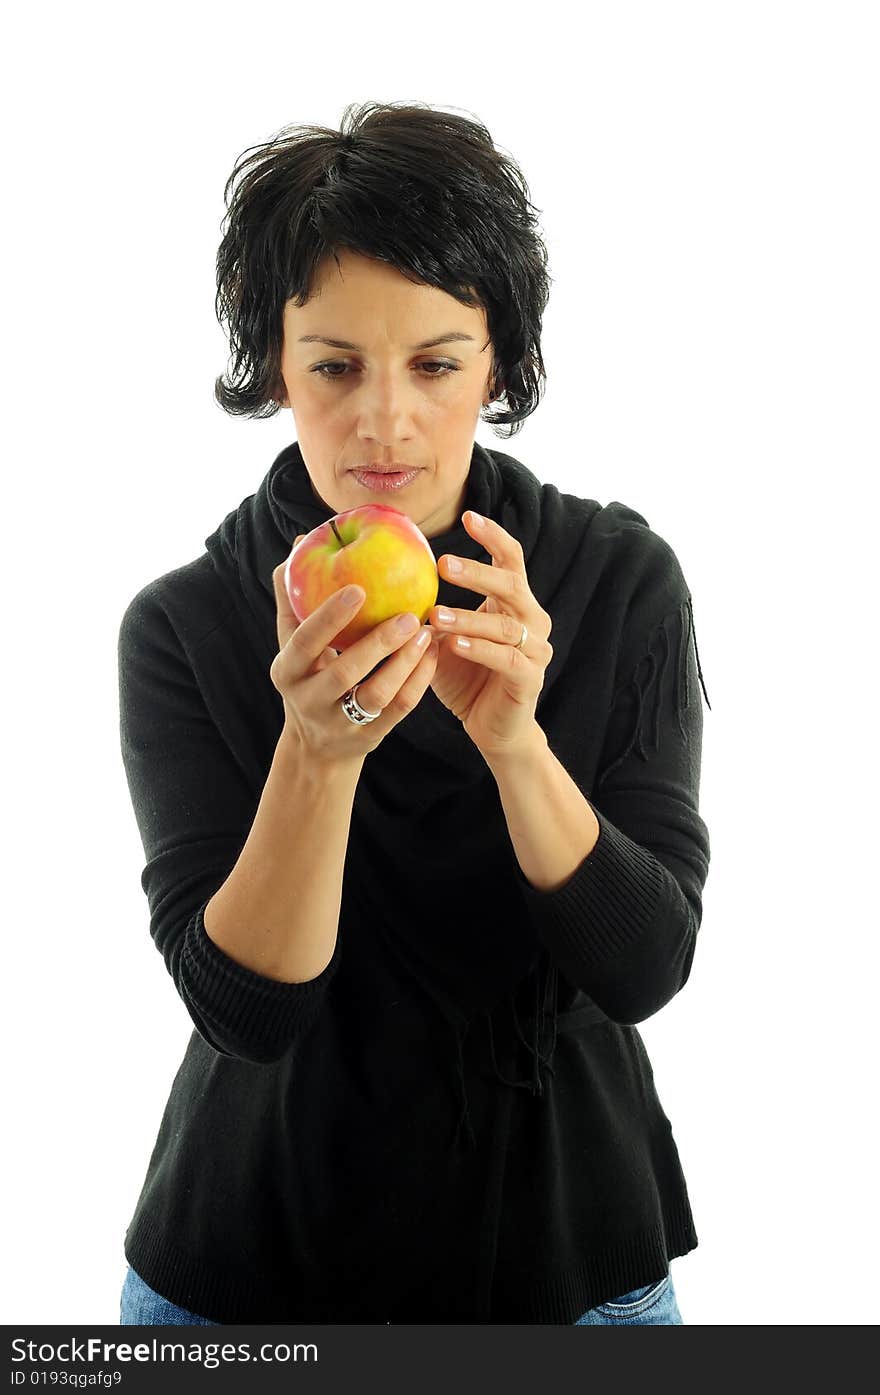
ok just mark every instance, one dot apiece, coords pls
pixel 373 546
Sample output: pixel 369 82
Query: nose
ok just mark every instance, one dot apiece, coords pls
pixel 384 408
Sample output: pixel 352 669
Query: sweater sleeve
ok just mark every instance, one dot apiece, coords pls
pixel 623 928
pixel 194 809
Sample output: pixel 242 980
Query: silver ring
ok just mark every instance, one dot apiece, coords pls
pixel 353 710
pixel 524 636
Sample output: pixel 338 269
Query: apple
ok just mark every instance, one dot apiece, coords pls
pixel 373 546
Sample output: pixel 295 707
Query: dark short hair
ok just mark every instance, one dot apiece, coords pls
pixel 408 184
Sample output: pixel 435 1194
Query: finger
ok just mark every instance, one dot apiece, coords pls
pixel 286 621
pixel 393 687
pixel 501 658
pixel 503 547
pixel 413 689
pixel 510 588
pixel 483 623
pixel 357 663
pixel 309 638
pixel 396 685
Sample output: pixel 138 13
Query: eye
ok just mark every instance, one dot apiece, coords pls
pixel 322 369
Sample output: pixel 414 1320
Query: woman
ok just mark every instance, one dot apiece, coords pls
pixel 416 894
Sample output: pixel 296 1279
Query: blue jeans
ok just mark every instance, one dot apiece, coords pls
pixel 142 1306
pixel 654 1305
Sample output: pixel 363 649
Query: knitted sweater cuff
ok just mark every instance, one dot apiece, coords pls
pixel 611 899
pixel 240 1012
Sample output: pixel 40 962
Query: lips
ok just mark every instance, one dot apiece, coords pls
pixel 384 480
pixel 395 469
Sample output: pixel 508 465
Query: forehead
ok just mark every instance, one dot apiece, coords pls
pixel 375 297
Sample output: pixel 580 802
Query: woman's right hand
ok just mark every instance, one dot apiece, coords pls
pixel 311 677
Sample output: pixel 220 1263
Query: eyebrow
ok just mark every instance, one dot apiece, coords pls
pixel 453 336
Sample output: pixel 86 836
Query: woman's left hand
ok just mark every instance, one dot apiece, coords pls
pixel 490 684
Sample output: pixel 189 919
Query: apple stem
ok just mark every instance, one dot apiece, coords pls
pixel 336 532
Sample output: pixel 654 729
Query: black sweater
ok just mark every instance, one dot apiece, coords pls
pixel 456 1121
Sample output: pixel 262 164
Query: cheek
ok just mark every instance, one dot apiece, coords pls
pixel 314 414
pixel 458 403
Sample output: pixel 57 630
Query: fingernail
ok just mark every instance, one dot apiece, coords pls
pixel 423 638
pixel 352 594
pixel 453 564
pixel 405 623
pixel 477 519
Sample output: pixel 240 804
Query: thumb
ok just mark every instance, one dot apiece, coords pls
pixel 286 621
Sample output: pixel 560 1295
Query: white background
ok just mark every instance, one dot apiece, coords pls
pixel 707 181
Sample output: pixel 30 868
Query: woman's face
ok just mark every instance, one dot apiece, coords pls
pixel 387 401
